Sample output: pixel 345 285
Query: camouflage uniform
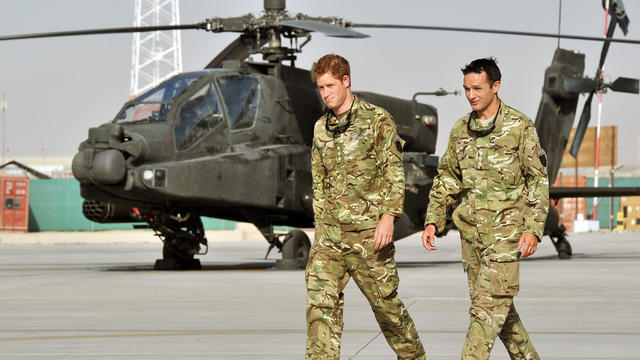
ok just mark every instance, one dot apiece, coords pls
pixel 357 177
pixel 501 180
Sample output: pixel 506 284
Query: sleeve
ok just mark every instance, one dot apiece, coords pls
pixel 389 146
pixel 534 169
pixel 447 185
pixel 318 175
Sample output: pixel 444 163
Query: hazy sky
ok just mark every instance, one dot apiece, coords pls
pixel 57 88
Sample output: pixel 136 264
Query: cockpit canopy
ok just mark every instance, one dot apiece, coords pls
pixel 231 96
pixel 154 105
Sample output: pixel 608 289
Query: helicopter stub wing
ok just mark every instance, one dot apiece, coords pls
pixel 572 192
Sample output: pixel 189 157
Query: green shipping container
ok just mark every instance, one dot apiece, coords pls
pixel 56 205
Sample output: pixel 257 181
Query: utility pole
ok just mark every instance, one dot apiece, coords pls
pixel 3 107
pixel 156 55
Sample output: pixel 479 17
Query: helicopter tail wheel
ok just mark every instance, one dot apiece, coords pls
pixel 295 251
pixel 563 247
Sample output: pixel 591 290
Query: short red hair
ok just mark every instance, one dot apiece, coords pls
pixel 334 64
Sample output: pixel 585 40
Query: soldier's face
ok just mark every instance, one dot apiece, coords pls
pixel 334 92
pixel 479 91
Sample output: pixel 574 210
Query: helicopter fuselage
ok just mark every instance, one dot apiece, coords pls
pixel 233 143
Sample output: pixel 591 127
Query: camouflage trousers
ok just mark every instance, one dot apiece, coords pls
pixel 337 256
pixel 492 286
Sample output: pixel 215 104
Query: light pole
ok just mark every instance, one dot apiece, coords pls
pixel 612 172
pixel 3 107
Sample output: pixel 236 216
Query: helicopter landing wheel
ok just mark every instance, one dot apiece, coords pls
pixel 295 251
pixel 175 259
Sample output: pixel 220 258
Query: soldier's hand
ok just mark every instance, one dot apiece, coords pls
pixel 429 237
pixel 527 245
pixel 384 231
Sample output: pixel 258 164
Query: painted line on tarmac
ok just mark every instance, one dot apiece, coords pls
pixel 519 299
pixel 156 334
pixel 235 354
pixel 285 332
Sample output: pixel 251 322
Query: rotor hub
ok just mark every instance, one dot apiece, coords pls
pixel 274 5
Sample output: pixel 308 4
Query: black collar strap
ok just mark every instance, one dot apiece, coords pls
pixel 484 132
pixel 338 129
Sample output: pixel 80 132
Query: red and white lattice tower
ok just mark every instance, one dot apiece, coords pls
pixel 156 55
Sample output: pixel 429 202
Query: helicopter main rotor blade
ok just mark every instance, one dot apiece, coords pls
pixel 325 28
pixel 104 31
pixel 490 31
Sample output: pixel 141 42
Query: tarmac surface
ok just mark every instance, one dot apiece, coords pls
pixel 95 299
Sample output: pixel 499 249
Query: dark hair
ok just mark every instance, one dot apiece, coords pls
pixel 488 65
pixel 334 64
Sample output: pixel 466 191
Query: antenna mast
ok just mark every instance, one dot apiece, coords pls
pixel 156 55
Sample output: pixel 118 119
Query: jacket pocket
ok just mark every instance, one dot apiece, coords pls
pixel 499 278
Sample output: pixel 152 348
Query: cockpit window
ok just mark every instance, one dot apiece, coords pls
pixel 168 89
pixel 240 94
pixel 197 117
pixel 154 104
pixel 144 111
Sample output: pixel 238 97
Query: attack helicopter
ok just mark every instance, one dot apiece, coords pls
pixel 232 141
pixel 563 83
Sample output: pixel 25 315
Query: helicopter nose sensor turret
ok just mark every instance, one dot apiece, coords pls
pixel 103 158
pixel 108 167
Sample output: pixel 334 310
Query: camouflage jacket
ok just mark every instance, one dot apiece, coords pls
pixel 500 180
pixel 357 175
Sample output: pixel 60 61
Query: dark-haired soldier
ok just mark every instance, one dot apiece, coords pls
pixel 358 191
pixel 495 166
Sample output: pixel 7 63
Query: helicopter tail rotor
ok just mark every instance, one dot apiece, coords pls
pixel 627 85
pixel 618 18
pixel 585 117
pixel 578 85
